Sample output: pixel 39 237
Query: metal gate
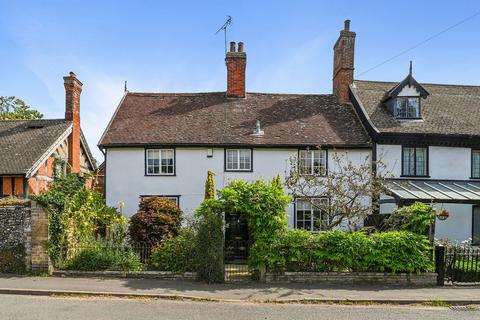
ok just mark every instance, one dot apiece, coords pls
pixel 237 242
pixel 458 264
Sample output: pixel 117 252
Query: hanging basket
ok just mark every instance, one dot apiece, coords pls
pixel 443 215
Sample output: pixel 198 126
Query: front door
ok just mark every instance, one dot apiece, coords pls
pixel 236 238
pixel 476 226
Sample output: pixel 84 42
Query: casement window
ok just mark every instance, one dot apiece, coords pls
pixel 312 162
pixel 238 160
pixel 407 108
pixel 414 161
pixel 160 162
pixel 476 164
pixel 176 199
pixel 311 214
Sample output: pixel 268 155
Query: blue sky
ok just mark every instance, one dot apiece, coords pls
pixel 170 46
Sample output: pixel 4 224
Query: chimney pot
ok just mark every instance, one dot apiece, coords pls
pixel 347 25
pixel 232 46
pixel 240 47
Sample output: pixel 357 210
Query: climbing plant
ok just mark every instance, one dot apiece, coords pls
pixel 209 185
pixel 77 216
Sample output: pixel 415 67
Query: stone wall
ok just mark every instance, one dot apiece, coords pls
pixel 23 238
pixel 421 279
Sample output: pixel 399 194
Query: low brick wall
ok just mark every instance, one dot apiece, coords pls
pixel 166 275
pixel 422 279
pixel 23 238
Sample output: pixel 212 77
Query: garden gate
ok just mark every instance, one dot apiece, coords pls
pixel 237 242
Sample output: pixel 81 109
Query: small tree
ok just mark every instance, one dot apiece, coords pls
pixel 157 218
pixel 416 218
pixel 210 186
pixel 348 187
pixel 12 108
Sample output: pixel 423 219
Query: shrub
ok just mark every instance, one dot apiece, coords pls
pixel 76 216
pixel 175 254
pixel 398 251
pixel 209 243
pixel 264 205
pixel 157 219
pixel 102 256
pixel 415 218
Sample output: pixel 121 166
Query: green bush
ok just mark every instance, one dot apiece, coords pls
pixel 398 251
pixel 264 206
pixel 157 219
pixel 175 254
pixel 209 243
pixel 101 256
pixel 76 216
pixel 415 218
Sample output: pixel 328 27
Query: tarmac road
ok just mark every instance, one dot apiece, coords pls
pixel 18 307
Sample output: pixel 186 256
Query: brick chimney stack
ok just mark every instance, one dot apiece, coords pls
pixel 343 53
pixel 73 89
pixel 236 65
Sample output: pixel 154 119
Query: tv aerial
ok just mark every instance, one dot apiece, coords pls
pixel 224 27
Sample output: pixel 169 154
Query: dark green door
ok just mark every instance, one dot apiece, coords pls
pixel 476 226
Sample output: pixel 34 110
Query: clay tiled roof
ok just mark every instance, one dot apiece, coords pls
pixel 447 110
pixel 213 119
pixel 23 142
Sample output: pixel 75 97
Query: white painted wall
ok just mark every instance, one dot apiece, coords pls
pixel 449 163
pixel 409 91
pixel 126 180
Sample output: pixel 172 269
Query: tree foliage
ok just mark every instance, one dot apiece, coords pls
pixel 417 218
pixel 77 216
pixel 210 186
pixel 349 187
pixel 12 108
pixel 157 219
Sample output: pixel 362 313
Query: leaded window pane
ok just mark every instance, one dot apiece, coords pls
pixel 476 164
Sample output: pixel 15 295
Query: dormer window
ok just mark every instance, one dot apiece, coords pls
pixel 407 107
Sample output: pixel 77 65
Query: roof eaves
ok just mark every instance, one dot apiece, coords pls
pixel 99 144
pixel 49 151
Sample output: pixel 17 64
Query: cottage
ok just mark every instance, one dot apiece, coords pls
pixel 164 143
pixel 33 152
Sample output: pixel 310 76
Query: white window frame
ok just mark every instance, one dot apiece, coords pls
pixel 313 211
pixel 160 166
pixel 410 112
pixel 235 166
pixel 309 155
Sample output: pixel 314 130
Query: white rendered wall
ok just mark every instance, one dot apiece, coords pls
pixel 449 163
pixel 126 180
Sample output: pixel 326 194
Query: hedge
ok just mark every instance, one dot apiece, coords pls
pixel 396 251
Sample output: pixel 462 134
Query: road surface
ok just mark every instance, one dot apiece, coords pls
pixel 90 308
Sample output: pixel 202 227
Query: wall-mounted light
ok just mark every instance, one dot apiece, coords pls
pixel 209 152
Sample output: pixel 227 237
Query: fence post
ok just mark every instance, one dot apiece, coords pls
pixel 440 264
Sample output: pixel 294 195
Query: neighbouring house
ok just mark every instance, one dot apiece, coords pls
pixel 34 152
pixel 163 144
pixel 428 136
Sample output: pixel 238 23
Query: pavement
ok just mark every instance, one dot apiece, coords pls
pixel 235 292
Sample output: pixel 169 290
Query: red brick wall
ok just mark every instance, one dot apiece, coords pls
pixel 343 64
pixel 236 67
pixel 73 89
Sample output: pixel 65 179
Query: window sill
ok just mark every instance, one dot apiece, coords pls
pixel 238 170
pixel 407 176
pixel 474 178
pixel 160 175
